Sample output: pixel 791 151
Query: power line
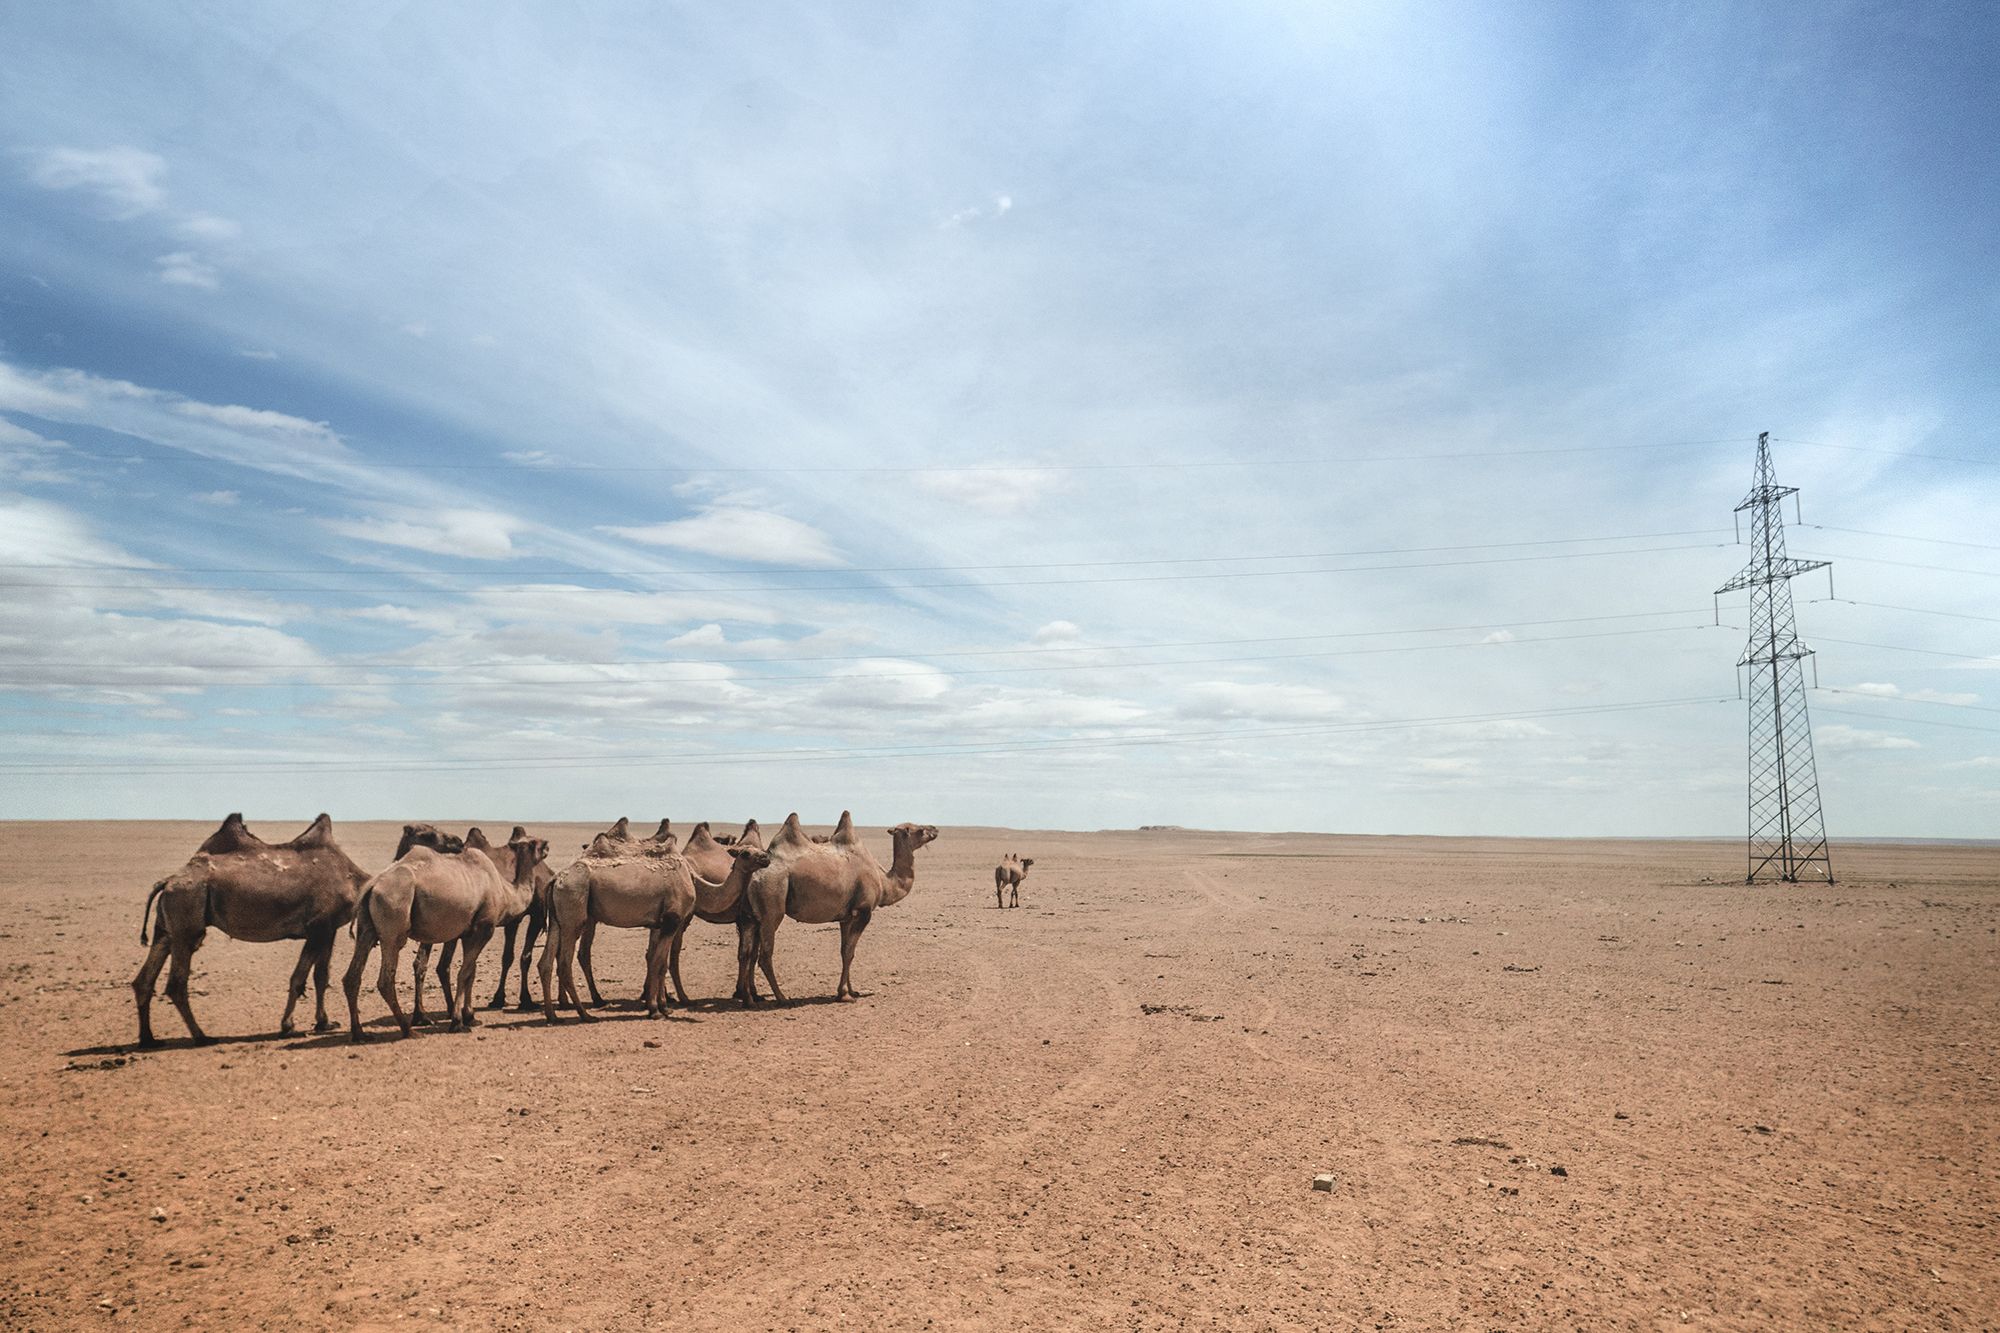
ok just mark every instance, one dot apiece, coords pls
pixel 879 654
pixel 1903 699
pixel 1890 453
pixel 1904 721
pixel 1913 610
pixel 1899 536
pixel 1006 469
pixel 511 574
pixel 930 672
pixel 960 585
pixel 823 754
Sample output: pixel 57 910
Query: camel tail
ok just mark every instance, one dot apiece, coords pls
pixel 148 915
pixel 354 922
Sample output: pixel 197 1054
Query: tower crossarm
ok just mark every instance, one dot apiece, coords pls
pixel 1758 571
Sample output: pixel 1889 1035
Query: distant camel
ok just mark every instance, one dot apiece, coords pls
pixel 1008 876
pixel 614 842
pixel 818 883
pixel 251 890
pixel 433 897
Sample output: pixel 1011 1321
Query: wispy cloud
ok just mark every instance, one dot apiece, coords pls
pixel 736 533
pixel 475 533
pixel 183 268
pixel 128 182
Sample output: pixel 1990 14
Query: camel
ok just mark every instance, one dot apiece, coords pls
pixel 615 842
pixel 1008 876
pixel 816 883
pixel 720 876
pixel 433 897
pixel 249 889
pixel 533 912
pixel 623 888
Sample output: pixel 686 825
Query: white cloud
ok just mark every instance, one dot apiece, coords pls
pixel 1499 636
pixel 1836 736
pixel 183 268
pixel 219 497
pixel 1057 632
pixel 572 604
pixel 1000 205
pixel 258 421
pixel 475 533
pixel 529 457
pixel 739 534
pixel 885 682
pixel 257 354
pixel 208 227
pixel 997 490
pixel 1886 691
pixel 126 180
pixel 1264 700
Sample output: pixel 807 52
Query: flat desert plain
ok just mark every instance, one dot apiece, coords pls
pixel 1560 1084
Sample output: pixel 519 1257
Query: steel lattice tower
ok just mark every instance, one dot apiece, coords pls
pixel 1787 832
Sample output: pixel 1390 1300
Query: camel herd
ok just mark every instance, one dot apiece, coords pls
pixel 451 893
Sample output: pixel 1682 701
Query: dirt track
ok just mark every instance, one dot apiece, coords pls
pixel 1773 1107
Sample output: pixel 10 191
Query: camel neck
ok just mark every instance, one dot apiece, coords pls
pixel 902 871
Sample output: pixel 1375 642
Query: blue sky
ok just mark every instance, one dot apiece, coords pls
pixel 711 411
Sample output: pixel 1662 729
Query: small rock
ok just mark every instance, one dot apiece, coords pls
pixel 159 1214
pixel 1559 1171
pixel 1764 1129
pixel 1620 1115
pixel 650 1044
pixel 1325 1181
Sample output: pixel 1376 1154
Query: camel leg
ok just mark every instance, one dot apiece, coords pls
pixel 1014 896
pixel 657 944
pixel 322 972
pixel 513 929
pixel 537 918
pixel 588 936
pixel 850 935
pixel 417 970
pixel 296 991
pixel 149 976
pixel 550 947
pixel 187 925
pixel 571 941
pixel 468 968
pixel 746 959
pixel 444 976
pixel 674 962
pixel 364 942
pixel 392 952
pixel 767 938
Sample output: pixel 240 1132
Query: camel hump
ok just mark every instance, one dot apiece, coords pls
pixel 791 833
pixel 665 829
pixel 603 846
pixel 319 833
pixel 476 837
pixel 235 836
pixel 699 829
pixel 621 830
pixel 518 834
pixel 843 832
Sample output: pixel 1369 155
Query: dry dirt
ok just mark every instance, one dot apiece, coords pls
pixel 1775 1107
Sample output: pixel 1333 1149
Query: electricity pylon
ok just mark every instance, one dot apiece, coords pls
pixel 1787 832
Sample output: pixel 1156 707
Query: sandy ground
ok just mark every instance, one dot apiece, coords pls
pixel 1103 1110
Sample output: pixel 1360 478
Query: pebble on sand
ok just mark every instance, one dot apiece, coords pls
pixel 1325 1181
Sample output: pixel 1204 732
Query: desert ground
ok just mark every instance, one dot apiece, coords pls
pixel 1560 1084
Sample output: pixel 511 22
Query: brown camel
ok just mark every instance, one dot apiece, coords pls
pixel 249 889
pixel 1007 876
pixel 534 912
pixel 432 897
pixel 720 875
pixel 617 887
pixel 617 841
pixel 816 883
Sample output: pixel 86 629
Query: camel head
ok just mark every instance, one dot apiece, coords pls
pixel 528 853
pixel 428 835
pixel 756 858
pixel 917 835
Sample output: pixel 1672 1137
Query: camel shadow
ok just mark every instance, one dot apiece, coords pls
pixel 181 1043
